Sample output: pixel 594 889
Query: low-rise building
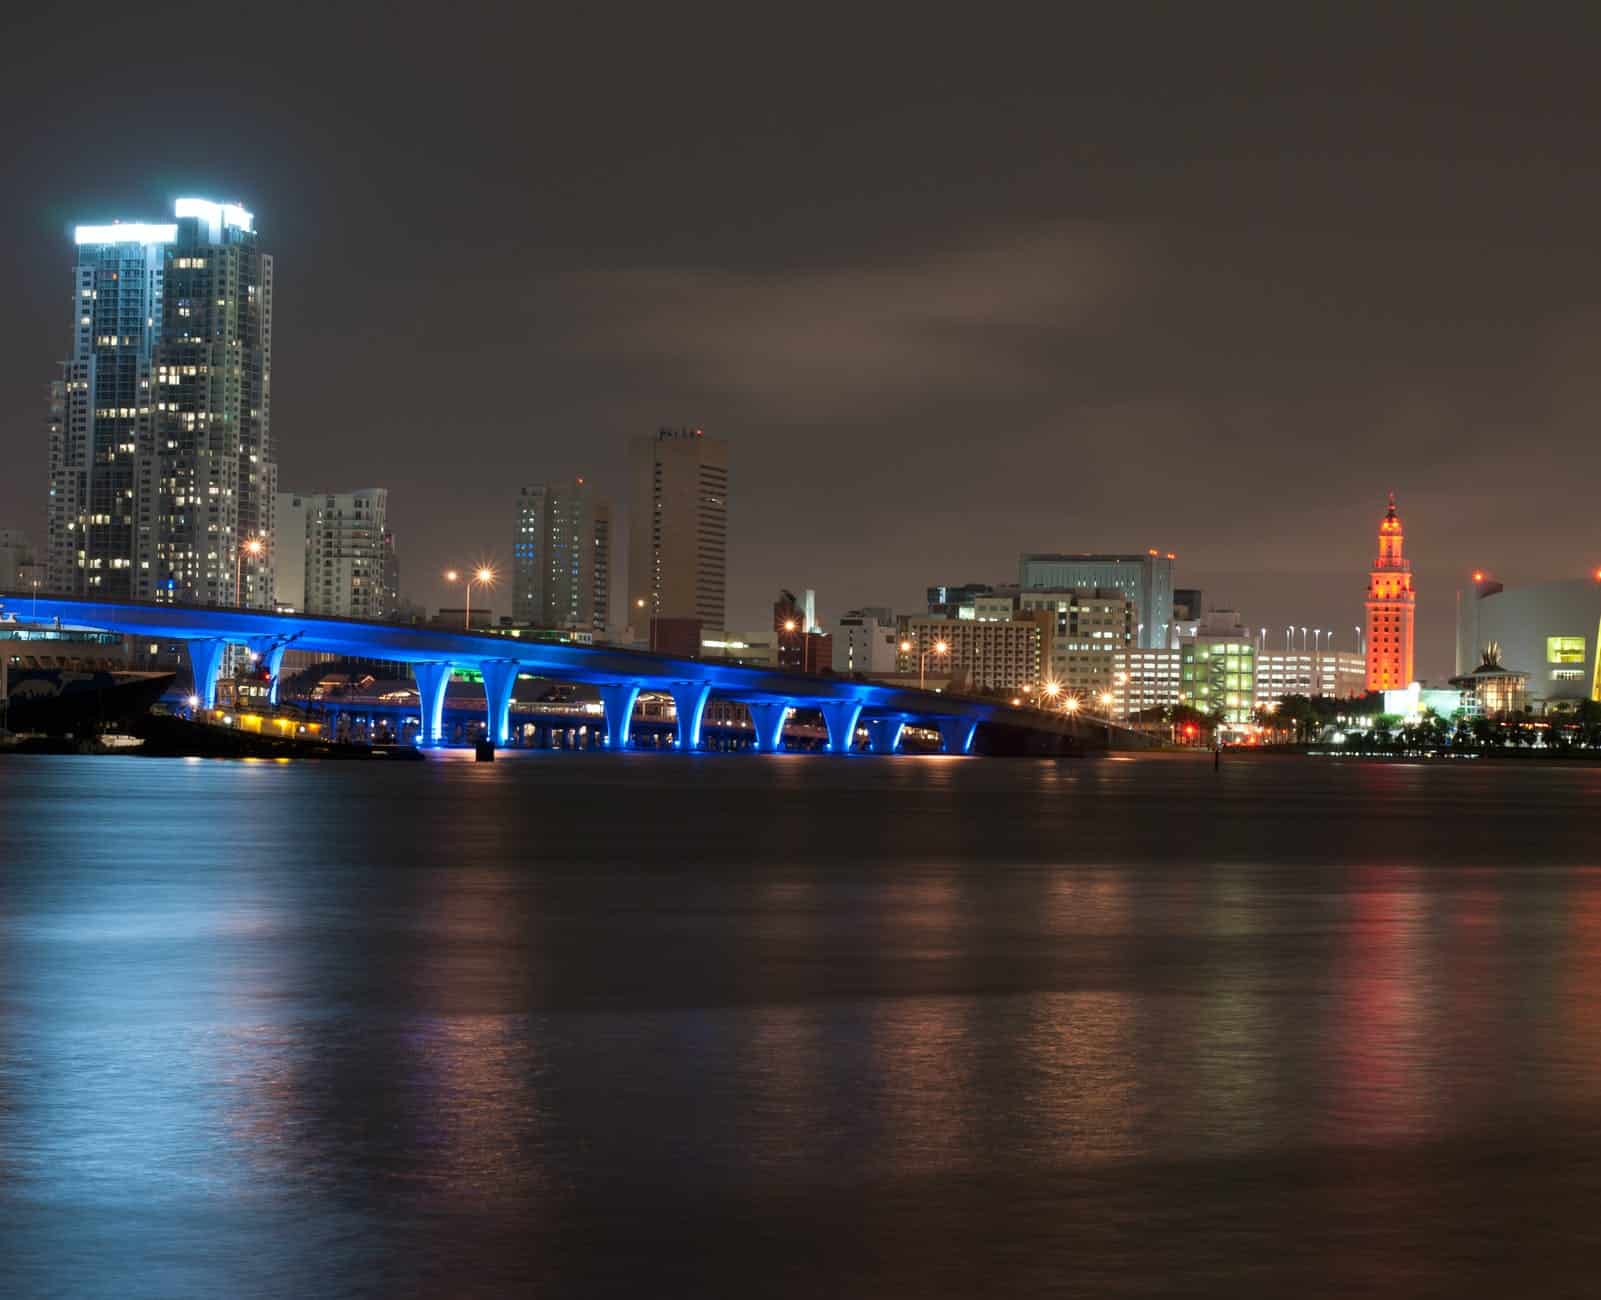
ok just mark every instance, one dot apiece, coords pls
pixel 865 641
pixel 1340 675
pixel 1086 628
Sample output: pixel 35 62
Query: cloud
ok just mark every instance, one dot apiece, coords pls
pixel 969 321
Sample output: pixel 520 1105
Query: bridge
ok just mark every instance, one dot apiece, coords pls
pixel 848 706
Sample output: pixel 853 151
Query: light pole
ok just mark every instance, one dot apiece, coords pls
pixel 1289 639
pixel 1106 715
pixel 922 657
pixel 1303 638
pixel 482 576
pixel 1357 628
pixel 251 545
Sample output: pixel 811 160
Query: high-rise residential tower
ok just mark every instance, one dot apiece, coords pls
pixel 102 443
pixel 678 529
pixel 332 552
pixel 1390 606
pixel 561 557
pixel 162 467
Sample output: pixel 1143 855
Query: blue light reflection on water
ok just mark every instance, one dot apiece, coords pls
pixel 622 1024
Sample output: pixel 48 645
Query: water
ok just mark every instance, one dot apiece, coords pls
pixel 645 1025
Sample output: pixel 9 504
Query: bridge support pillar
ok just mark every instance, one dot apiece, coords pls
pixel 768 722
pixel 956 734
pixel 840 716
pixel 205 663
pixel 432 679
pixel 619 701
pixel 884 735
pixel 689 701
pixel 500 677
pixel 269 652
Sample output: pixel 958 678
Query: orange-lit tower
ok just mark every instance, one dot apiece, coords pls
pixel 1390 608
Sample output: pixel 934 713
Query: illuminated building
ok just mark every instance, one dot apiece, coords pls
pixel 678 532
pixel 1337 674
pixel 1550 631
pixel 1498 692
pixel 100 414
pixel 1087 628
pixel 1147 580
pixel 864 641
pixel 1390 606
pixel 1144 679
pixel 803 647
pixel 331 555
pixel 990 655
pixel 561 557
pixel 1217 670
pixel 161 462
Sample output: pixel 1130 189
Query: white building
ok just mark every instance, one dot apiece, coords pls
pixel 1340 675
pixel 990 655
pixel 865 641
pixel 331 556
pixel 1144 679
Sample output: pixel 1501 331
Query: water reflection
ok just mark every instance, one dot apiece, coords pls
pixel 641 1027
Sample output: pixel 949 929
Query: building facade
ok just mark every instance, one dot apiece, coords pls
pixel 1337 674
pixel 991 656
pixel 162 466
pixel 561 557
pixel 678 530
pixel 1551 631
pixel 1146 580
pixel 864 641
pixel 1085 630
pixel 16 560
pixel 340 539
pixel 1390 607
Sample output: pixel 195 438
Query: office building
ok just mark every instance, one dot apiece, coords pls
pixel 678 530
pixel 864 641
pixel 1144 679
pixel 1390 608
pixel 1550 631
pixel 1337 674
pixel 331 556
pixel 561 557
pixel 1084 631
pixel 985 656
pixel 959 601
pixel 162 467
pixel 1147 581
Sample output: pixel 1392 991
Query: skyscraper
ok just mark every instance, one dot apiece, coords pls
pixel 678 529
pixel 162 466
pixel 1389 610
pixel 561 557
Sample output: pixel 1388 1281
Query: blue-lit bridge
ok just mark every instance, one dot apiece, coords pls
pixel 848 707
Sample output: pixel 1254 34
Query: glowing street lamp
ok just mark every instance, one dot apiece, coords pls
pixel 482 576
pixel 940 648
pixel 253 547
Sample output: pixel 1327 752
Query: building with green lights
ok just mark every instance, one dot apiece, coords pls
pixel 1217 670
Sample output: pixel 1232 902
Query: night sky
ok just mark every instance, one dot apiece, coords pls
pixel 1205 278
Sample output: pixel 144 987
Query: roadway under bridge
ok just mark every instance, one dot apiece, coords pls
pixel 856 714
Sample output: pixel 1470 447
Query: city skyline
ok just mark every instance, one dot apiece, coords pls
pixel 1289 305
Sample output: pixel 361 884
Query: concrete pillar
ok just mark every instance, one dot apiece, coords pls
pixel 956 734
pixel 689 699
pixel 500 676
pixel 431 682
pixel 205 662
pixel 768 723
pixel 619 701
pixel 884 735
pixel 840 717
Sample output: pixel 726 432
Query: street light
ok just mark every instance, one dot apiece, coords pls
pixel 940 648
pixel 253 546
pixel 482 576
